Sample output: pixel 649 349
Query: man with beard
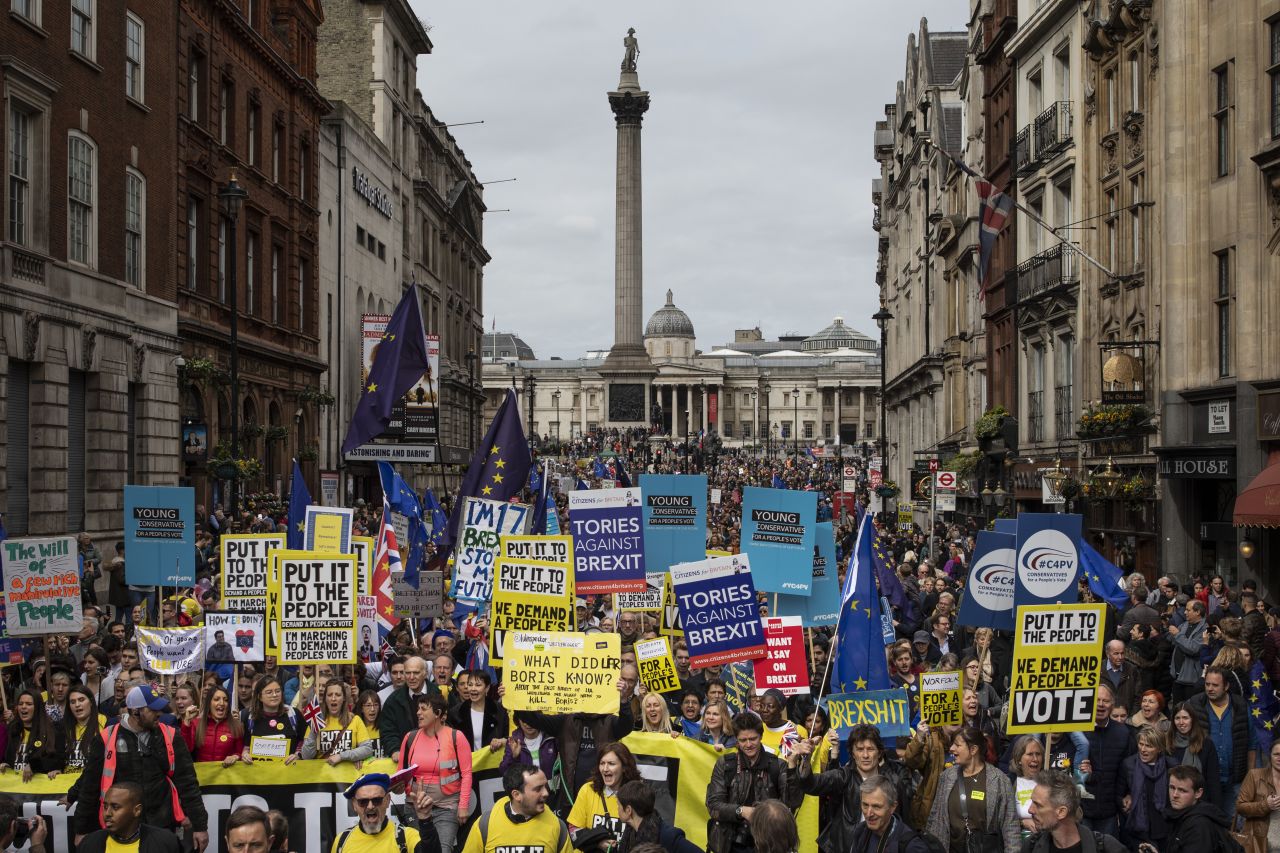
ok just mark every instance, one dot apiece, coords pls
pixel 370 796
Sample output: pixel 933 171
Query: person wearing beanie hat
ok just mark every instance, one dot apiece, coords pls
pixel 370 797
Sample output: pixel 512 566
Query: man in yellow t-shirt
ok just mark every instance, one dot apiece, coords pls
pixel 521 819
pixel 370 795
pixel 125 832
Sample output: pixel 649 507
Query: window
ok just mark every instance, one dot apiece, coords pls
pixel 276 270
pixel 1136 241
pixel 1064 382
pixel 382 251
pixel 1109 93
pixel 254 113
pixel 1064 216
pixel 225 105
pixel 135 195
pixel 29 9
pixel 1035 94
pixel 20 127
pixel 728 429
pixel 1135 81
pixel 222 259
pixel 1273 71
pixel 250 273
pixel 360 236
pixel 826 429
pixel 808 429
pixel 276 131
pixel 1222 118
pixel 134 56
pixel 1035 392
pixel 81 192
pixel 1223 304
pixel 1034 235
pixel 304 173
pixel 1112 230
pixel 1062 70
pixel 82 27
pixel 195 78
pixel 746 429
pixel 193 240
pixel 302 293
pixel 786 429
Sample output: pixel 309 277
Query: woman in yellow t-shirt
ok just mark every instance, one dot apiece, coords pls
pixel 597 802
pixel 81 728
pixel 343 737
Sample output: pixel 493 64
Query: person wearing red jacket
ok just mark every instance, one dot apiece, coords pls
pixel 216 734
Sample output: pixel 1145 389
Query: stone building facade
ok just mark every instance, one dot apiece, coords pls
pixel 88 322
pixel 247 104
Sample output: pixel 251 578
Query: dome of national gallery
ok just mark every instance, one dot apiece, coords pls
pixel 669 322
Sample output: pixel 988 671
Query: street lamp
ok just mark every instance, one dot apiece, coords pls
pixel 533 436
pixel 471 398
pixel 882 318
pixel 839 412
pixel 795 422
pixel 768 438
pixel 755 418
pixel 555 395
pixel 232 196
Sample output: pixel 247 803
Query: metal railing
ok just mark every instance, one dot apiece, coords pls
pixel 1035 416
pixel 1053 130
pixel 1022 162
pixel 1063 420
pixel 1051 268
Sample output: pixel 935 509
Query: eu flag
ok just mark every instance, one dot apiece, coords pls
pixel 887 578
pixel 299 499
pixel 598 470
pixel 620 473
pixel 778 482
pixel 537 482
pixel 859 662
pixel 399 362
pixel 500 467
pixel 399 496
pixel 432 511
pixel 1103 578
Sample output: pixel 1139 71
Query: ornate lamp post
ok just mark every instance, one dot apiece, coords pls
pixel 795 422
pixel 232 196
pixel 882 318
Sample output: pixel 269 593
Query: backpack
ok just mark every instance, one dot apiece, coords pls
pixel 400 842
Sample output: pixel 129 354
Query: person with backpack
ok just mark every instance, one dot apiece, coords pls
pixel 142 749
pixel 521 819
pixel 1055 812
pixel 370 798
pixel 881 828
pixel 642 823
pixel 442 757
pixel 1195 825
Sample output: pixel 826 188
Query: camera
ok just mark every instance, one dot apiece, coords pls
pixel 21 832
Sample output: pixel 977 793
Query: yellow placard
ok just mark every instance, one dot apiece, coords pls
pixel 657 666
pixel 940 698
pixel 1057 659
pixel 532 589
pixel 311 607
pixel 328 529
pixel 670 626
pixel 562 673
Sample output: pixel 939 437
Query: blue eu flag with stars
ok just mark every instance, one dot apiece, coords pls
pixel 859 662
pixel 399 496
pixel 299 498
pixel 1103 577
pixel 500 467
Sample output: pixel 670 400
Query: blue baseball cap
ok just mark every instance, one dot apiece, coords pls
pixel 144 697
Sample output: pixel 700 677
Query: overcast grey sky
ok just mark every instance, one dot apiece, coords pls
pixel 757 155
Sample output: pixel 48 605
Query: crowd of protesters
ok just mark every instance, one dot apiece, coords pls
pixel 1181 747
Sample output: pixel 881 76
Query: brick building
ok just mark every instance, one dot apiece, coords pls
pixel 88 325
pixel 247 104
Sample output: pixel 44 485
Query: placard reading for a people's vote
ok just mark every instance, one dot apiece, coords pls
pixel 718 610
pixel 940 698
pixel 317 608
pixel 42 586
pixel 484 523
pixel 608 546
pixel 887 710
pixel 1057 656
pixel 531 595
pixel 657 666
pixel 246 558
pixel 562 673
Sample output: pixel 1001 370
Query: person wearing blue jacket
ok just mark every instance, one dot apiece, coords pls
pixel 1110 743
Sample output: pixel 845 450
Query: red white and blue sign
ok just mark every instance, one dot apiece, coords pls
pixel 608 542
pixel 1048 558
pixel 717 601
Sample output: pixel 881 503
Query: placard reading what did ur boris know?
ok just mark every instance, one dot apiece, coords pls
pixel 562 673
pixel 1057 656
pixel 317 608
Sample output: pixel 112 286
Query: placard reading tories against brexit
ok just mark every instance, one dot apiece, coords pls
pixel 328 529
pixel 657 666
pixel 562 673
pixel 160 535
pixel 778 534
pixel 171 651
pixel 822 605
pixel 531 595
pixel 484 522
pixel 1048 560
pixel 42 586
pixel 608 548
pixel 718 610
pixel 246 560
pixel 650 599
pixel 940 698
pixel 317 608
pixel 675 518
pixel 233 637
pixel 1057 657
pixel 784 666
pixel 988 600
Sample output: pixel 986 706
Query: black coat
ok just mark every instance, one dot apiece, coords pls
pixel 150 840
pixel 1195 830
pixel 842 784
pixel 1199 706
pixel 1109 746
pixel 902 839
pixel 494 724
pixel 152 773
pixel 731 786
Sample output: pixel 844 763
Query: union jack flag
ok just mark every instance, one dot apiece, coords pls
pixel 387 559
pixel 314 712
pixel 994 207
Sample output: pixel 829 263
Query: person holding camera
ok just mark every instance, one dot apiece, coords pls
pixel 15 830
pixel 1187 642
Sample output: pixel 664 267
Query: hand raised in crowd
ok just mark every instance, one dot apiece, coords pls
pixel 422 801
pixel 496 744
pixel 805 747
pixel 923 730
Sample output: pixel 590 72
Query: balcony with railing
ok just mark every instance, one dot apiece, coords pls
pixel 1052 268
pixel 1035 416
pixel 1022 162
pixel 1053 130
pixel 1063 422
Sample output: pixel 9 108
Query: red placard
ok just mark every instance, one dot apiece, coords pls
pixel 784 665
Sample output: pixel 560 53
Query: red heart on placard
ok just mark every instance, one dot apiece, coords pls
pixel 244 639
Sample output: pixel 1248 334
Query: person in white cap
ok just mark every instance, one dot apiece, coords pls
pixel 142 749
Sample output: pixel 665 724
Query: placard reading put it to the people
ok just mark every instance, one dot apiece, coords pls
pixel 562 673
pixel 608 545
pixel 657 666
pixel 718 610
pixel 940 698
pixel 530 595
pixel 246 559
pixel 1057 658
pixel 317 605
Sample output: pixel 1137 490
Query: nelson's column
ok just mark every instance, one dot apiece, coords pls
pixel 627 369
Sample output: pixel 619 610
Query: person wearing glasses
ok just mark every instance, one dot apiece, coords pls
pixel 370 797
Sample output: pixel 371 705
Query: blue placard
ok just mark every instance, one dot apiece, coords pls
pixel 1006 525
pixel 887 710
pixel 718 610
pixel 675 519
pixel 1048 561
pixel 608 548
pixel 988 595
pixel 777 533
pixel 160 535
pixel 10 649
pixel 822 605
